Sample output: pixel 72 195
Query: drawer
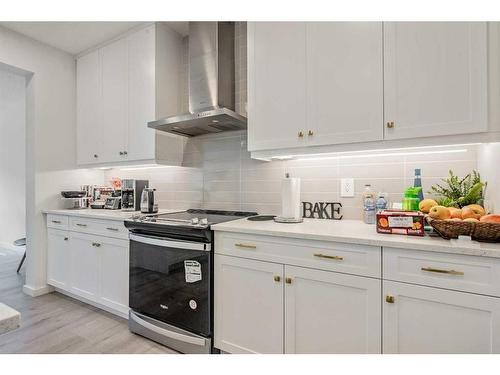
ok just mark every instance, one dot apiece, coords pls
pixel 450 271
pixel 57 221
pixel 108 228
pixel 330 256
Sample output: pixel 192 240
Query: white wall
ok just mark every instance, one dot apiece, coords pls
pixel 488 159
pixel 12 157
pixel 50 139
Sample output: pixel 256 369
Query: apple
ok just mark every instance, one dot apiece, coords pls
pixel 439 212
pixel 478 208
pixel 426 205
pixel 472 211
pixel 455 212
pixel 490 219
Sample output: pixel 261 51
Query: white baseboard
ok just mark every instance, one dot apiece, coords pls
pixel 92 303
pixel 35 292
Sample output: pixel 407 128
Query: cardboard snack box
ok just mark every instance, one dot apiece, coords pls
pixel 410 223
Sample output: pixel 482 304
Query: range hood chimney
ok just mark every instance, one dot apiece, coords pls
pixel 211 84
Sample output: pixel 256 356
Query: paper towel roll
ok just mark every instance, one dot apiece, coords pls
pixel 290 198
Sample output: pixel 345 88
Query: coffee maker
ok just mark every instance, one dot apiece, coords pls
pixel 131 194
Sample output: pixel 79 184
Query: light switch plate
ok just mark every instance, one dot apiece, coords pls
pixel 347 187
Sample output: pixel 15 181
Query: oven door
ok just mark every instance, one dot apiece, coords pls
pixel 170 281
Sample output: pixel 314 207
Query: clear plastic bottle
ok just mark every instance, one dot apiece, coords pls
pixel 381 201
pixel 369 205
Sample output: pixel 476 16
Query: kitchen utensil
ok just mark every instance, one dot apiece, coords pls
pixel 73 194
pixel 148 201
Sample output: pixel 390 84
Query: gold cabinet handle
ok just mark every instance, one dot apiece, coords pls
pixel 81 225
pixel 56 221
pixel 437 270
pixel 246 246
pixel 390 125
pixel 301 134
pixel 310 133
pixel 389 299
pixel 96 244
pixel 277 278
pixel 334 257
pixel 113 229
pixel 66 238
pixel 288 280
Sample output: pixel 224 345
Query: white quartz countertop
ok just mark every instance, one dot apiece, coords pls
pixel 357 232
pixel 102 213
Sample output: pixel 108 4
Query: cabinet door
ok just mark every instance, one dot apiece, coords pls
pixel 114 266
pixel 141 94
pixel 344 82
pixel 248 305
pixel 113 132
pixel 88 97
pixel 276 84
pixel 84 266
pixel 328 312
pixel 435 78
pixel 57 258
pixel 430 320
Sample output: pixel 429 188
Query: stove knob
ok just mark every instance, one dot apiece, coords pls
pixel 204 221
pixel 194 221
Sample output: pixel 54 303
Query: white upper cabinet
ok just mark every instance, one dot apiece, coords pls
pixel 339 83
pixel 276 84
pixel 114 100
pixel 435 78
pixel 344 82
pixel 88 94
pixel 121 87
pixel 141 93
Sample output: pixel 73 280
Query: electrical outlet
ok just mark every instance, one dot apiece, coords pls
pixel 347 187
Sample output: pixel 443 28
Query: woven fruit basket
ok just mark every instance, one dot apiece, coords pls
pixel 478 231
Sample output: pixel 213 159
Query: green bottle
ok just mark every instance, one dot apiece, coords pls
pixel 411 199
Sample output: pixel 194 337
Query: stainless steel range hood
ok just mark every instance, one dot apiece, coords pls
pixel 211 84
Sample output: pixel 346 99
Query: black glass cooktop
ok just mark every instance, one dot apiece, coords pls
pixel 212 216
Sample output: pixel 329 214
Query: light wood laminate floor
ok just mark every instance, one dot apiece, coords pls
pixel 54 323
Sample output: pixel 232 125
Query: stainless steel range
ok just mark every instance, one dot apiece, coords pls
pixel 171 277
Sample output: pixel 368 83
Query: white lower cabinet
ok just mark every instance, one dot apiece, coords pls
pixel 265 307
pixel 90 266
pixel 248 305
pixel 329 312
pixel 84 266
pixel 58 257
pixel 114 266
pixel 419 319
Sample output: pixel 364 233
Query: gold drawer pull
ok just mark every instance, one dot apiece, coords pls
pixel 288 280
pixel 81 225
pixel 246 246
pixel 96 244
pixel 113 229
pixel 277 278
pixel 437 270
pixel 389 299
pixel 334 257
pixel 56 221
pixel 66 238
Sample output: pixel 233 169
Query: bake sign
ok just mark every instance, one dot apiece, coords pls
pixel 322 210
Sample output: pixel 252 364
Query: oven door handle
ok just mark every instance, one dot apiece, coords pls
pixel 200 246
pixel 199 341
